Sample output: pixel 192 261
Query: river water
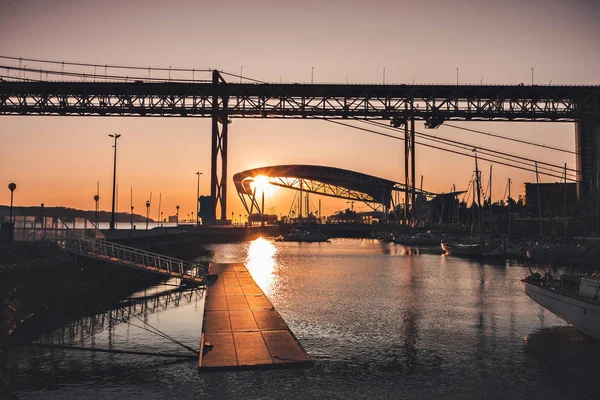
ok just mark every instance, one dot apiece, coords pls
pixel 379 320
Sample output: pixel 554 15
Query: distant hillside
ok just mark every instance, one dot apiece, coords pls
pixel 70 213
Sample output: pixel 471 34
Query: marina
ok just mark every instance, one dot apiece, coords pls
pixel 343 212
pixel 377 318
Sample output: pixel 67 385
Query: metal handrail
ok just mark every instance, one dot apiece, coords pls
pixel 133 257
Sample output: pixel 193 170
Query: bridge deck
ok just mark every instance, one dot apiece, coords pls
pixel 242 327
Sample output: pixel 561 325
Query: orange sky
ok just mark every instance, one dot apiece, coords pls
pixel 57 160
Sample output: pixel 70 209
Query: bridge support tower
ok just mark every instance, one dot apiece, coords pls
pixel 220 123
pixel 587 146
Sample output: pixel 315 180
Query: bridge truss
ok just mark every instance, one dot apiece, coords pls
pixel 400 104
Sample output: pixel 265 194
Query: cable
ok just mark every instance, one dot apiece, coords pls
pixel 128 67
pixel 468 146
pixel 471 146
pixel 485 152
pixel 512 139
pixel 89 76
pixel 443 149
pixel 103 65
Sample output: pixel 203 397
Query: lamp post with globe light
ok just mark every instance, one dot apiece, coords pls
pixel 147 213
pixel 11 186
pixel 96 198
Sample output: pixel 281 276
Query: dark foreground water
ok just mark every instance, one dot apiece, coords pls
pixel 379 323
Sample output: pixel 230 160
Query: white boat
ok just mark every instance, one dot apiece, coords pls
pixel 423 239
pixel 302 236
pixel 572 298
pixel 493 249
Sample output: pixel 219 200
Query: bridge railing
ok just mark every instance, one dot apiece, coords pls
pixel 129 255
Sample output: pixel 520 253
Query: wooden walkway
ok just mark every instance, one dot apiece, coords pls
pixel 241 328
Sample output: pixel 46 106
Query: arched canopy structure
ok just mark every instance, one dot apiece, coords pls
pixel 325 181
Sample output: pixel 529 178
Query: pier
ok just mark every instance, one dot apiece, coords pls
pixel 241 328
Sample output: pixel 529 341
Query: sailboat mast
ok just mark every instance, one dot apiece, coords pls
pixel 539 200
pixel 477 180
pixel 565 205
pixel 491 200
pixel 509 213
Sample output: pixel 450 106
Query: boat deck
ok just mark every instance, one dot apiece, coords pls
pixel 241 328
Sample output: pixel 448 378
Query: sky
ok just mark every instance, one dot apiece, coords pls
pixel 58 160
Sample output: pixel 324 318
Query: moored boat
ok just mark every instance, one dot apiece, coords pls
pixel 491 249
pixel 423 239
pixel 480 248
pixel 302 236
pixel 574 298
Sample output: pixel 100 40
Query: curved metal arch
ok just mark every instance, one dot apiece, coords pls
pixel 324 181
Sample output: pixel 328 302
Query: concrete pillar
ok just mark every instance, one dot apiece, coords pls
pixel 587 146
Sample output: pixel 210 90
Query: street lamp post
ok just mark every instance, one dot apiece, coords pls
pixel 112 217
pixel 96 198
pixel 11 186
pixel 147 213
pixel 531 76
pixel 197 200
pixel 177 215
pixel 131 216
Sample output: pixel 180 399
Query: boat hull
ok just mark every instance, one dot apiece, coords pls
pixel 583 315
pixel 303 237
pixel 474 250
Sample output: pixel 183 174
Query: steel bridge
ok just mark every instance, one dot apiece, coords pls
pixel 400 104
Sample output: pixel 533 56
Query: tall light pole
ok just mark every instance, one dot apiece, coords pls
pixel 531 76
pixel 177 215
pixel 96 198
pixel 198 199
pixel 131 215
pixel 147 213
pixel 112 217
pixel 11 186
pixel 456 76
pixel 241 73
pixel 312 74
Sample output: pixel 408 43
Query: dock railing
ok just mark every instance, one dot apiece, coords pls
pixel 129 256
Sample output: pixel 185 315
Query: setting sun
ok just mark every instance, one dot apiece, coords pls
pixel 261 184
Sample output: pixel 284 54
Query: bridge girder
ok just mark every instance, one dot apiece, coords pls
pixel 220 101
pixel 432 103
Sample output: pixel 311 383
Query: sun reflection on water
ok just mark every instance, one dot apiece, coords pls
pixel 260 261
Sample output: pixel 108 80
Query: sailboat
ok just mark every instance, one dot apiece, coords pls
pixel 479 248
